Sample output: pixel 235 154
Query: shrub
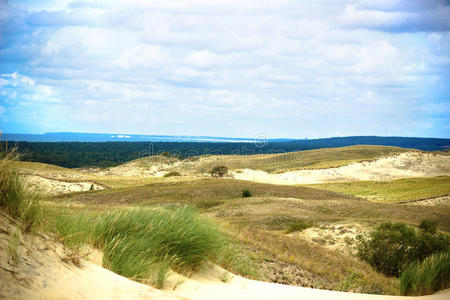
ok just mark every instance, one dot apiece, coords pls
pixel 428 226
pixel 171 174
pixel 219 171
pixel 15 198
pixel 390 247
pixel 426 277
pixel 246 193
pixel 299 226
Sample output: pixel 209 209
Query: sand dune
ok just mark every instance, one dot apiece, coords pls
pixel 404 165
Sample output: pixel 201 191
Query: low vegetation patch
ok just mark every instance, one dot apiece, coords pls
pixel 299 225
pixel 392 246
pixel 219 171
pixel 426 277
pixel 208 204
pixel 171 174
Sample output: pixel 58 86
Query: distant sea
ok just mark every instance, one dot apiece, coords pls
pixel 105 137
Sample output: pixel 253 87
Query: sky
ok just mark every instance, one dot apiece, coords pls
pixel 247 68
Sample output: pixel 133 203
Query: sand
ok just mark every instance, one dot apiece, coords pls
pixel 334 236
pixel 433 201
pixel 403 165
pixel 56 186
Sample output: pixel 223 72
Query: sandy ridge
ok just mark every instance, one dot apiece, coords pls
pixel 403 165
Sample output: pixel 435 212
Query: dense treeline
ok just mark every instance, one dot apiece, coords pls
pixel 105 154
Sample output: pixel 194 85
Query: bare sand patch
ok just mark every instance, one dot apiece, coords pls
pixel 403 165
pixel 441 200
pixel 340 237
pixel 55 187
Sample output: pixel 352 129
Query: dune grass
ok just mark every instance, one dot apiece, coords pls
pixel 426 277
pixel 143 243
pixel 392 191
pixel 15 198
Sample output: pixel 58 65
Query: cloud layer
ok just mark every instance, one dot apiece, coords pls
pixel 226 68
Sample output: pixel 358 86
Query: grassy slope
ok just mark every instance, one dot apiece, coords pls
pixel 392 191
pixel 199 191
pixel 270 207
pixel 309 159
pixel 36 166
pixel 278 214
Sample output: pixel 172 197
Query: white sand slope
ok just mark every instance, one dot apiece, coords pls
pixel 403 165
pixel 93 282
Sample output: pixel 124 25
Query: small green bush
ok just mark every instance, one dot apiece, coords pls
pixel 392 246
pixel 426 277
pixel 299 226
pixel 246 193
pixel 171 174
pixel 219 171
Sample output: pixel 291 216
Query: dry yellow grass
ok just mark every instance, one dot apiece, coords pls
pixel 333 267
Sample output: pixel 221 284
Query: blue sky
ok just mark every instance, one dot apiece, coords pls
pixel 226 67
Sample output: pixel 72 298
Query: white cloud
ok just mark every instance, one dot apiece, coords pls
pixel 284 66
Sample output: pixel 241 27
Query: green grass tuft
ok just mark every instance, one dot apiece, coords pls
pixel 426 277
pixel 143 244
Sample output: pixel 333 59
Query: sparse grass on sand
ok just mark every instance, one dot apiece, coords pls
pixel 392 191
pixel 338 271
pixel 427 276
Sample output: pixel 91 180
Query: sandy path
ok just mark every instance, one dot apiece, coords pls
pixel 404 165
